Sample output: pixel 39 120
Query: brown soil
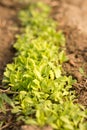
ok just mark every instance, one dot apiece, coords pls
pixel 8 29
pixel 72 19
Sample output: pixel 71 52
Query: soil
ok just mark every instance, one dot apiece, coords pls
pixel 72 19
pixel 8 29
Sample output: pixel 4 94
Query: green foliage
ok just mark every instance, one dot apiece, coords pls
pixel 45 95
pixel 82 72
pixel 4 99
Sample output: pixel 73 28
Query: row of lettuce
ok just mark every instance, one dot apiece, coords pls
pixel 42 93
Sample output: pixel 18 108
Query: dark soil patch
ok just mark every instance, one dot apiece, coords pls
pixel 72 18
pixel 8 29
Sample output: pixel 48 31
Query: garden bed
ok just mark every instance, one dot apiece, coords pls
pixel 70 18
